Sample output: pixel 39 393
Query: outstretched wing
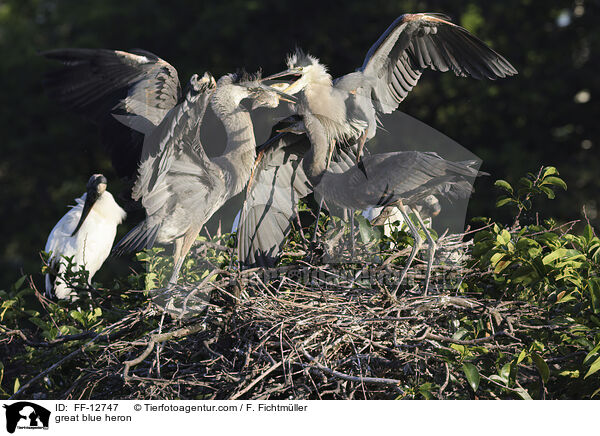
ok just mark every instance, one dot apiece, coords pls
pixel 94 81
pixel 138 86
pixel 414 42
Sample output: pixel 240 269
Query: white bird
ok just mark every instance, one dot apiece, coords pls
pixel 86 233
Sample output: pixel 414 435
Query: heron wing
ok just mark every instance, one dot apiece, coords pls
pixel 382 179
pixel 94 81
pixel 97 83
pixel 278 183
pixel 414 42
pixel 176 136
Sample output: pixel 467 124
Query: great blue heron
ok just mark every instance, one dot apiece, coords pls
pixel 346 108
pixel 403 179
pixel 278 182
pixel 85 233
pixel 179 186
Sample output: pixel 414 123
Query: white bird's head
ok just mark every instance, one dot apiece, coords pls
pixel 96 186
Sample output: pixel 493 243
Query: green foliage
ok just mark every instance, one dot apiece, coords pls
pixel 548 264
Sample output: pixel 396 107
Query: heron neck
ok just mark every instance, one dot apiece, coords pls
pixel 315 161
pixel 240 151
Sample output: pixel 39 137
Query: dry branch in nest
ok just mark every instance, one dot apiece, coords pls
pixel 306 331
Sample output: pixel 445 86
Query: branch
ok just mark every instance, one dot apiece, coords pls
pixel 156 338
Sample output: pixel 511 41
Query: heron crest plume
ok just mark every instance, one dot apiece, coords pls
pixel 240 77
pixel 300 59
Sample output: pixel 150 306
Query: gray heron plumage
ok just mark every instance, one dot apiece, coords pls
pixel 404 179
pixel 346 108
pixel 277 184
pixel 179 186
pixel 108 87
pixel 85 233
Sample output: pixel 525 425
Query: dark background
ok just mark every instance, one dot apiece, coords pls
pixel 547 115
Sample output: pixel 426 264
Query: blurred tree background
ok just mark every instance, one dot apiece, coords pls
pixel 547 115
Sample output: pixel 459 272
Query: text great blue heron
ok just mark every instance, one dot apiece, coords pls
pixel 346 108
pixel 86 233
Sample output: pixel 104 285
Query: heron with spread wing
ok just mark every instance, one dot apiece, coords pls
pixel 346 108
pixel 179 186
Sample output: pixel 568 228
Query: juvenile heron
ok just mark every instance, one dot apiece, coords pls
pixel 346 108
pixel 85 233
pixel 179 186
pixel 402 180
pixel 278 182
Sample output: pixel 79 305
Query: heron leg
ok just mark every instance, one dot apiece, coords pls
pixel 352 243
pixel 177 261
pixel 416 245
pixel 430 250
pixel 186 243
pixel 314 238
pixel 361 143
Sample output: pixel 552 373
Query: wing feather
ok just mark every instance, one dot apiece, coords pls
pixel 415 42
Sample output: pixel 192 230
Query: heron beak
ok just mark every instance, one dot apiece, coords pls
pixel 282 95
pixel 290 72
pixel 90 199
pixel 262 147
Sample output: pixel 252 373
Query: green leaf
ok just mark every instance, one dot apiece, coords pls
pixel 556 254
pixel 594 289
pixel 592 353
pixel 549 171
pixel 503 184
pixel 76 315
pixel 556 181
pixel 504 200
pixel 548 191
pixel 365 229
pixel 542 366
pixel 588 233
pixel 472 375
pixel 522 356
pixel 523 394
pixel 19 283
pixel 525 182
pixel 593 368
pixel 505 373
pixel 16 386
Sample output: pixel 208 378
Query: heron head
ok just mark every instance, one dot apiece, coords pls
pixel 306 68
pixel 96 186
pixel 268 96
